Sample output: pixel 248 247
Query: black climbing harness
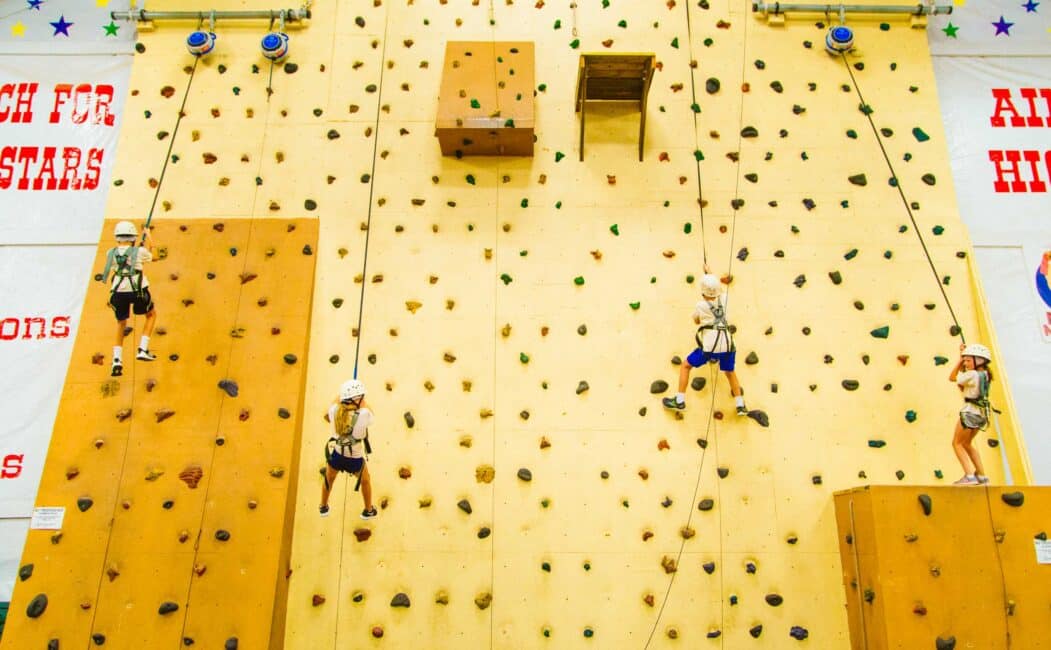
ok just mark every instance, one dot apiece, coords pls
pixel 125 269
pixel 344 444
pixel 720 326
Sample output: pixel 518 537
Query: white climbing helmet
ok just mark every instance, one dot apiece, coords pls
pixel 977 350
pixel 125 230
pixel 710 286
pixel 352 388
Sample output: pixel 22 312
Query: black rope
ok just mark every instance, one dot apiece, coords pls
pixel 696 138
pixel 905 201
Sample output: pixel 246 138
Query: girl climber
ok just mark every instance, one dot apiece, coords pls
pixel 974 383
pixel 714 343
pixel 129 289
pixel 345 451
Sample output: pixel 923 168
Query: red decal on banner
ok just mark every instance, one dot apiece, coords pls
pixel 38 168
pixel 12 466
pixel 1004 103
pixel 86 101
pixel 1047 326
pixel 21 96
pixel 34 327
pixel 1030 95
pixel 1013 157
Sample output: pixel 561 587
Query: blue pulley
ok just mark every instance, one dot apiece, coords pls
pixel 200 43
pixel 275 46
pixel 839 39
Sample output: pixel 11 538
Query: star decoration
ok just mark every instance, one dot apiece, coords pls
pixel 111 28
pixel 18 29
pixel 1002 27
pixel 1030 6
pixel 35 4
pixel 61 26
pixel 101 3
pixel 950 30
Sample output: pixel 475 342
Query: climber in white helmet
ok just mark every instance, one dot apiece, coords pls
pixel 714 343
pixel 345 451
pixel 129 290
pixel 973 376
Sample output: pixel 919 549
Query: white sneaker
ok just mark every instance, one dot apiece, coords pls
pixel 982 480
pixel 145 355
pixel 967 479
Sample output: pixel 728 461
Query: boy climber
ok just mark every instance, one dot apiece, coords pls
pixel 129 289
pixel 714 343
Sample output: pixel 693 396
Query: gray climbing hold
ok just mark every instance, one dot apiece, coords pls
pixel 800 280
pixel 283 413
pixel 706 504
pixel 709 567
pixel 222 535
pixel 850 384
pixel 291 68
pixel 401 599
pixel 760 416
pixel 698 383
pixel 84 504
pixel 230 386
pixel 945 644
pixel 525 474
pixel 742 254
pixel 410 421
pixel 52 644
pixel 881 332
pixel 776 85
pixel 484 532
pixel 755 631
pixel 167 607
pixel 925 503
pixel 749 132
pixel 1014 499
pixel 774 600
pixel 231 643
pixel 290 359
pixel 712 85
pixel 582 330
pixel 858 179
pixel 658 387
pixel 37 606
pixel 465 505
pixel 836 277
pixel 752 358
pixel 582 387
pixel 25 572
pixel 929 179
pixel 798 633
pixel 723 472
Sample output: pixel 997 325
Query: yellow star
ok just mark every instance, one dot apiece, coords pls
pixel 102 3
pixel 959 3
pixel 18 29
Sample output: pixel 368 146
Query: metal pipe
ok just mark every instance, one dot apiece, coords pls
pixel 913 10
pixel 290 15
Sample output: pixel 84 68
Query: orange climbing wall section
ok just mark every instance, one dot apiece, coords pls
pixel 154 467
pixel 475 334
pixel 929 567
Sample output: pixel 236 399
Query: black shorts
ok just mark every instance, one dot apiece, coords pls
pixel 122 302
pixel 344 464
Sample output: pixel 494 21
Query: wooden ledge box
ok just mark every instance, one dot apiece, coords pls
pixel 485 105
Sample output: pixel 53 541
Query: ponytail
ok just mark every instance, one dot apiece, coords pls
pixel 344 415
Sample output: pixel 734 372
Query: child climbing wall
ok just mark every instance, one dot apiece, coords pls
pixel 516 319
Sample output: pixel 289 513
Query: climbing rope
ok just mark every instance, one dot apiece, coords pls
pixel 904 201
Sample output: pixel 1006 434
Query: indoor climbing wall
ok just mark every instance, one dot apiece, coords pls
pixel 914 558
pixel 517 320
pixel 177 477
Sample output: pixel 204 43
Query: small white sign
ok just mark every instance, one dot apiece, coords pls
pixel 47 519
pixel 1043 551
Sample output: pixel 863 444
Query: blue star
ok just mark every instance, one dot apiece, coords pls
pixel 1002 27
pixel 61 27
pixel 1030 7
pixel 35 4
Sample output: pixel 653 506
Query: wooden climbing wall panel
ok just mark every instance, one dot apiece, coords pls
pixel 152 466
pixel 943 567
pixel 495 286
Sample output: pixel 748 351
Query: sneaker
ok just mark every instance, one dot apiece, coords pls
pixel 323 510
pixel 117 370
pixel 145 355
pixel 672 403
pixel 982 480
pixel 742 410
pixel 967 480
pixel 370 513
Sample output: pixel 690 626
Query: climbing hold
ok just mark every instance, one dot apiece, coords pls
pixel 709 567
pixel 945 644
pixel 222 535
pixel 881 332
pixel 706 504
pixel 659 386
pixel 483 600
pixel 579 280
pixel 283 413
pixel 698 383
pixel 774 600
pixel 798 633
pixel 37 606
pixel 163 414
pixel 582 387
pixel 84 503
pixel 776 85
pixel 760 416
pixel 877 444
pixel 400 599
pixel 749 132
pixel 858 179
pixel 925 503
pixel 167 607
pixel 669 564
pixel 465 505
pixel 800 280
pixel 525 475
pixel 1013 499
pixel 290 359
pixel 230 386
pixel 712 85
pixel 410 421
pixel 850 384
pixel 928 179
pixel 752 358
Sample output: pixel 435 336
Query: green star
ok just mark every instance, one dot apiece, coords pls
pixel 111 28
pixel 950 30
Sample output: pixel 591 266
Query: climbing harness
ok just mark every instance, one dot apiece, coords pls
pixel 125 269
pixel 720 326
pixel 344 445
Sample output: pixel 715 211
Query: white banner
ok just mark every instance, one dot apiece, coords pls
pixel 42 296
pixel 58 134
pixel 12 538
pixel 64 27
pixel 992 27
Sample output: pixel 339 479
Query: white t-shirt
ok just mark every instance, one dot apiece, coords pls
pixel 124 284
pixel 968 381
pixel 359 431
pixel 712 339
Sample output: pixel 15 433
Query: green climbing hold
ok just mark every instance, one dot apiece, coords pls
pixel 887 255
pixel 940 361
pixel 920 134
pixel 865 109
pixel 509 123
pixel 579 280
pixel 687 227
pixel 749 132
pixel 851 254
pixel 881 332
pixel 696 108
pixel 559 156
pixel 852 134
pixel 588 632
pixel 558 24
pixel 470 179
pixel 675 42
pixel 937 230
pixel 558 205
pixel 884 27
pixel 689 279
pixel 623 24
pixel 938 474
pixel 575 43
pixel 542 87
pixel 634 305
pixel 708 42
pixel 752 178
pixel 910 416
pixel 858 179
pixel 614 229
pixel 506 278
pixel 525 203
pixel 698 155
pixel 876 444
pixel 523 357
pixel 475 103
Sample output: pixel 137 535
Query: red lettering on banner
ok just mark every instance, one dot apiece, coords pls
pixel 1006 164
pixel 7 170
pixel 35 320
pixel 94 169
pixel 35 327
pixel 9 328
pixel 86 101
pixel 60 327
pixel 36 168
pixel 71 160
pixel 25 155
pixel 1033 158
pixel 12 466
pixel 1030 95
pixel 1013 157
pixel 1004 104
pixel 1047 325
pixel 21 97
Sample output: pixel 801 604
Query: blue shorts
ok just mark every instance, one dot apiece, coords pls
pixel 344 464
pixel 726 360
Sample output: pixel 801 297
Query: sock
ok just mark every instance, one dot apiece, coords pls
pixel 144 342
pixel 680 398
pixel 117 352
pixel 969 476
pixel 740 400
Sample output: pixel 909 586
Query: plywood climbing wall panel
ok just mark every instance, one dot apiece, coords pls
pixel 152 466
pixel 943 567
